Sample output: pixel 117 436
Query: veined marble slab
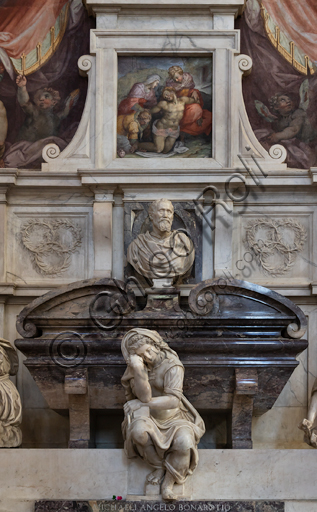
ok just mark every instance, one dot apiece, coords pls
pixel 159 506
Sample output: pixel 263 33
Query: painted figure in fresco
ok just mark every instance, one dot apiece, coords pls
pixel 287 121
pixel 142 94
pixel 167 129
pixel 160 425
pixel 163 253
pixel 41 120
pixel 293 127
pixel 130 129
pixel 308 424
pixel 196 120
pixel 10 402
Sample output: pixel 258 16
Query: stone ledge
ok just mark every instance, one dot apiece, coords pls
pixel 29 475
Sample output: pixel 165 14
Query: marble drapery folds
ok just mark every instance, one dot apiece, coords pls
pixel 10 403
pixel 159 258
pixel 172 431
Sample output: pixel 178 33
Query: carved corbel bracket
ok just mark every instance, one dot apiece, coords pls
pixel 246 387
pixel 76 387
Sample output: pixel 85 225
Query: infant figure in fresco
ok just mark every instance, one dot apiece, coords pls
pixel 163 253
pixel 291 122
pixel 41 120
pixel 161 426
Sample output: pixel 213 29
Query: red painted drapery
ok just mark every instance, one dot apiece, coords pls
pixel 25 23
pixel 298 19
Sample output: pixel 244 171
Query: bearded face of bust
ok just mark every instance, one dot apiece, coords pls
pixel 162 217
pixel 161 253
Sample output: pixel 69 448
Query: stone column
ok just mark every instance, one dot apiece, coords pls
pixel 118 238
pixel 223 241
pixel 102 225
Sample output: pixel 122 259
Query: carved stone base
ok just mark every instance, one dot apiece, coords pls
pixel 153 493
pixel 163 299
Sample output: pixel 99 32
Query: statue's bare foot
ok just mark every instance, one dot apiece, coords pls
pixel 313 440
pixel 168 495
pixel 306 426
pixel 167 488
pixel 156 476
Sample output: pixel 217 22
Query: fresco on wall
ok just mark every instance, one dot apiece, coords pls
pixel 42 95
pixel 280 94
pixel 164 107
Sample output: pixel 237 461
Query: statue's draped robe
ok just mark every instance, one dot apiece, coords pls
pixel 159 258
pixel 10 407
pixel 162 432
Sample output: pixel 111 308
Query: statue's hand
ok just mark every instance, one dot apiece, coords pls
pixel 131 406
pixel 136 361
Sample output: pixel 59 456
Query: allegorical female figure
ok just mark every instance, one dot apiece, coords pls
pixel 142 94
pixel 196 120
pixel 160 426
pixel 10 403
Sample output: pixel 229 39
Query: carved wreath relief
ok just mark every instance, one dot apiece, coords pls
pixel 51 244
pixel 275 243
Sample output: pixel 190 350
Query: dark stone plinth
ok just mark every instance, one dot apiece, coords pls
pixel 159 506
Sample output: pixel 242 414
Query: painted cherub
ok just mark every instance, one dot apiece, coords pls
pixel 288 122
pixel 41 119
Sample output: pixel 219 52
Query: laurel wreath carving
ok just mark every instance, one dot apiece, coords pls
pixel 46 241
pixel 275 243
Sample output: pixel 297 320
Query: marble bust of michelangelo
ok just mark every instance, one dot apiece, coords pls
pixel 161 253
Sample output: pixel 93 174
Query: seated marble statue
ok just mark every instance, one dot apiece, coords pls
pixel 10 403
pixel 308 425
pixel 163 253
pixel 160 425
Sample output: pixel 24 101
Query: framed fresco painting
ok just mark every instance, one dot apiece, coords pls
pixel 164 107
pixel 166 100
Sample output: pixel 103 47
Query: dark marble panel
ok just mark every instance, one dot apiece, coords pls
pixel 159 506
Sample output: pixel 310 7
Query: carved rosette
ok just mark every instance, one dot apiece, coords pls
pixel 274 252
pixel 51 244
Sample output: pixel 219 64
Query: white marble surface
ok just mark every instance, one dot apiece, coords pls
pixel 29 475
pixel 277 429
pixel 301 506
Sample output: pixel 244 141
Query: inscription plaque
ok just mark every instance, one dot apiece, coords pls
pixel 159 506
